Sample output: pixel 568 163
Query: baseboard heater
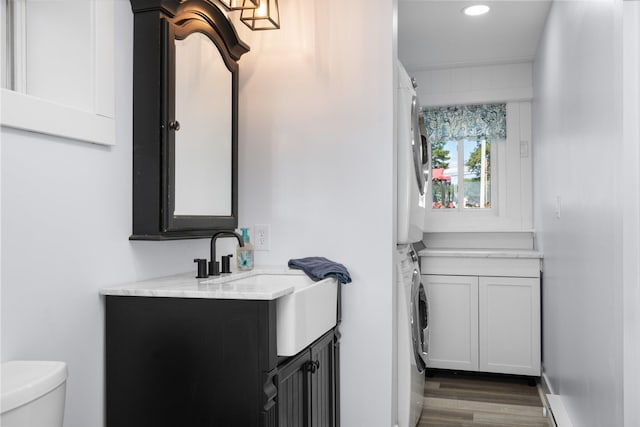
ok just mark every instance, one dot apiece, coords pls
pixel 558 412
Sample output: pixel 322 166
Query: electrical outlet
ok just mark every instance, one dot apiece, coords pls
pixel 261 237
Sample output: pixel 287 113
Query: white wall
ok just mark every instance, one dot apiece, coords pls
pixel 473 85
pixel 631 213
pixel 577 132
pixel 316 162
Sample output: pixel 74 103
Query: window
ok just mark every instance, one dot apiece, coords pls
pixel 57 68
pixel 461 151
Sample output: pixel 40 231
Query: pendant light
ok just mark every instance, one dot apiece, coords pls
pixel 265 16
pixel 240 4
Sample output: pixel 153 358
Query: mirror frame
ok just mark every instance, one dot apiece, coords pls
pixel 157 24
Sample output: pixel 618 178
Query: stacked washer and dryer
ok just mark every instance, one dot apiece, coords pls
pixel 412 310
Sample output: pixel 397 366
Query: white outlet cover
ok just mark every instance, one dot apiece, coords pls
pixel 261 237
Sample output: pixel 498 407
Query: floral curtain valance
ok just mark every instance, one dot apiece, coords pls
pixel 466 122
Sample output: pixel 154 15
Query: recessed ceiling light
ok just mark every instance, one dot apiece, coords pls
pixel 476 10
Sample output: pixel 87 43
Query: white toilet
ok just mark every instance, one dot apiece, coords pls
pixel 33 393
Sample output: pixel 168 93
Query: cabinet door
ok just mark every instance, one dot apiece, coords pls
pixel 509 325
pixel 453 321
pixel 293 392
pixel 307 386
pixel 323 383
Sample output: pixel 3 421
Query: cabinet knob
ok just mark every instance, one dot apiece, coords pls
pixel 174 125
pixel 312 366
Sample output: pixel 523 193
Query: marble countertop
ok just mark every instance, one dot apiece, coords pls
pixel 481 253
pixel 221 287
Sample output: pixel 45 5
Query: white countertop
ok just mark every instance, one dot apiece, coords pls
pixel 216 287
pixel 481 253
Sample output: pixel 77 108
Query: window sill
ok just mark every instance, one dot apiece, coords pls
pixel 33 114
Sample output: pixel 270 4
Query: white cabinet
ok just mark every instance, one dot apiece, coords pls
pixel 509 325
pixel 484 323
pixel 453 322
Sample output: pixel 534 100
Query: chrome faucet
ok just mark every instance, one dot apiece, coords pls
pixel 213 264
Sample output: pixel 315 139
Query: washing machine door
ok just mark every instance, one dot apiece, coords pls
pixel 426 151
pixel 417 145
pixel 419 322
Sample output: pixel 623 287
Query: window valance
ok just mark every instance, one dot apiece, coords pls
pixel 466 122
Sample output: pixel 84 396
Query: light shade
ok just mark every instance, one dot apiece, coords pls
pixel 264 17
pixel 476 10
pixel 240 4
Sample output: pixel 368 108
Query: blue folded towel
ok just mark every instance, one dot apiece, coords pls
pixel 318 268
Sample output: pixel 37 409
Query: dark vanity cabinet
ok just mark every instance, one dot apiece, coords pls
pixel 211 362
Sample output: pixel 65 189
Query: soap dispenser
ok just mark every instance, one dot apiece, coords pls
pixel 244 254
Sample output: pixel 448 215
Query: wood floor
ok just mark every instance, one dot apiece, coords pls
pixel 467 400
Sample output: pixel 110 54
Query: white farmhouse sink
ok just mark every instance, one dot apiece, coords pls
pixel 306 314
pixel 302 316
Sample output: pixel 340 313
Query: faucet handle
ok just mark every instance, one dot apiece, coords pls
pixel 202 268
pixel 226 263
pixel 214 268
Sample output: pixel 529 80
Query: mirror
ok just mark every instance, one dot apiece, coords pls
pixel 203 143
pixel 185 120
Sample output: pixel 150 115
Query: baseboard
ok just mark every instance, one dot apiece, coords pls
pixel 546 384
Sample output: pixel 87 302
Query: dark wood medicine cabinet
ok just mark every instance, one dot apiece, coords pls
pixel 185 174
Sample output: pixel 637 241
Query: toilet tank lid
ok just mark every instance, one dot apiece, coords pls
pixel 26 380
